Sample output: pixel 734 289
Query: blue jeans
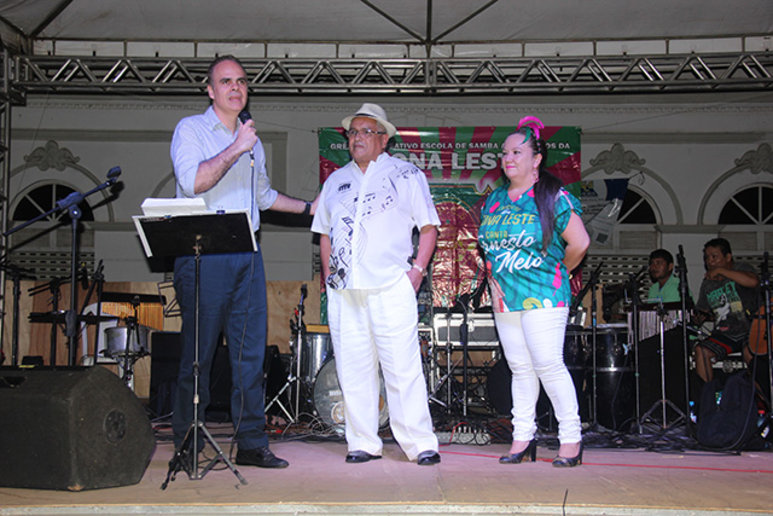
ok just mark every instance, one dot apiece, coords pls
pixel 232 301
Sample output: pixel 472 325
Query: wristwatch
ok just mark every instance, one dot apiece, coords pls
pixel 422 270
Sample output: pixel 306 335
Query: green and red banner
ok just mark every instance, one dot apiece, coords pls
pixel 462 165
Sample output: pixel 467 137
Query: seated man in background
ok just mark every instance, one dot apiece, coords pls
pixel 665 284
pixel 728 296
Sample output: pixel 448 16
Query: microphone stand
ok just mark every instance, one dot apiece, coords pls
pixel 664 402
pixel 686 300
pixel 294 379
pixel 462 301
pixel 99 281
pixel 591 286
pixel 766 292
pixel 633 290
pixel 71 204
pixel 301 336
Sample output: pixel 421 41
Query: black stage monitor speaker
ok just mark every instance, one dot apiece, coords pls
pixel 71 428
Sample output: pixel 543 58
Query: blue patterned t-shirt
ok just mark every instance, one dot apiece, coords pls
pixel 521 276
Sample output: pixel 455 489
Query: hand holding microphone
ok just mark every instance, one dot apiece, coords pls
pixel 249 131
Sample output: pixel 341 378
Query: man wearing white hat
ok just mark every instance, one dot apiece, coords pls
pixel 366 215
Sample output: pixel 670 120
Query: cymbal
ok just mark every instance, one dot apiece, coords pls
pixel 59 317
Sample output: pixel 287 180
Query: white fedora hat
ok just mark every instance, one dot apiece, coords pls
pixel 373 111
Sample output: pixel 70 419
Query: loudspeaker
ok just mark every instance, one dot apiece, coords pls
pixel 71 428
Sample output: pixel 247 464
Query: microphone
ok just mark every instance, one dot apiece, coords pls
pixel 245 117
pixel 304 292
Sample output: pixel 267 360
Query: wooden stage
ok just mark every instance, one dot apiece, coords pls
pixel 621 475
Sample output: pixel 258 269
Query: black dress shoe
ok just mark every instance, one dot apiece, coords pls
pixel 358 456
pixel 428 458
pixel 261 457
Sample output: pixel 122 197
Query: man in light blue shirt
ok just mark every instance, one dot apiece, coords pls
pixel 218 157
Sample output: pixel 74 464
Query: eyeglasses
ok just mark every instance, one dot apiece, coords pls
pixel 367 133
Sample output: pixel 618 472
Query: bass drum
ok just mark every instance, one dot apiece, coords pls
pixel 329 400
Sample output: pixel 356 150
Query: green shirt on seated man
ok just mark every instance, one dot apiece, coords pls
pixel 665 284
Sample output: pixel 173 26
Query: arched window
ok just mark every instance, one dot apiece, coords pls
pixel 636 210
pixel 44 198
pixel 45 246
pixel 753 205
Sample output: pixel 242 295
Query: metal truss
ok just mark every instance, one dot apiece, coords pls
pixel 434 76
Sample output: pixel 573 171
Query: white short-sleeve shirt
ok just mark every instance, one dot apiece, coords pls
pixel 370 219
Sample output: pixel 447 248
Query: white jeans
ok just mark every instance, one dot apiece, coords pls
pixel 533 341
pixel 369 327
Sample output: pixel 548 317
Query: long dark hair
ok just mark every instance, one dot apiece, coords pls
pixel 547 185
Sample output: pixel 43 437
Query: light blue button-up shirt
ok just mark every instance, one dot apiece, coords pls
pixel 198 138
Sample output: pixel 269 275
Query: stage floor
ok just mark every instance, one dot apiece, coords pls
pixel 469 480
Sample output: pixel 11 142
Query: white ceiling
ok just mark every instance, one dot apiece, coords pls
pixel 361 21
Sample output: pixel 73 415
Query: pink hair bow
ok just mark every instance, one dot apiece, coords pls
pixel 533 123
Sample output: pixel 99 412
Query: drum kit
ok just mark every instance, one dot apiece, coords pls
pixel 311 387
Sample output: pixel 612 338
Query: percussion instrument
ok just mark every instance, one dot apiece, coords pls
pixel 328 398
pixel 316 349
pixel 614 375
pixel 118 344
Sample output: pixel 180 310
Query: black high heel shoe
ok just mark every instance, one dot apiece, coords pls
pixel 517 458
pixel 568 462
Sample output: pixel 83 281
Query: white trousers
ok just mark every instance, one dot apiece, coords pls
pixel 369 327
pixel 533 342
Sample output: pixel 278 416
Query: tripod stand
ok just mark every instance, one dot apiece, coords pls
pixel 663 403
pixel 187 456
pixel 172 236
pixel 464 302
pixel 591 286
pixel 294 373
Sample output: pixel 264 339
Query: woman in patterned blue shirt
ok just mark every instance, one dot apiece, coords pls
pixel 533 236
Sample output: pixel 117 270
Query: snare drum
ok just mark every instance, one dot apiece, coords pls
pixel 117 345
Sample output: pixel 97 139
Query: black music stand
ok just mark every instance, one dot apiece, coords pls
pixel 185 235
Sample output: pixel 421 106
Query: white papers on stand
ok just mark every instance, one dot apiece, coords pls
pixel 163 207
